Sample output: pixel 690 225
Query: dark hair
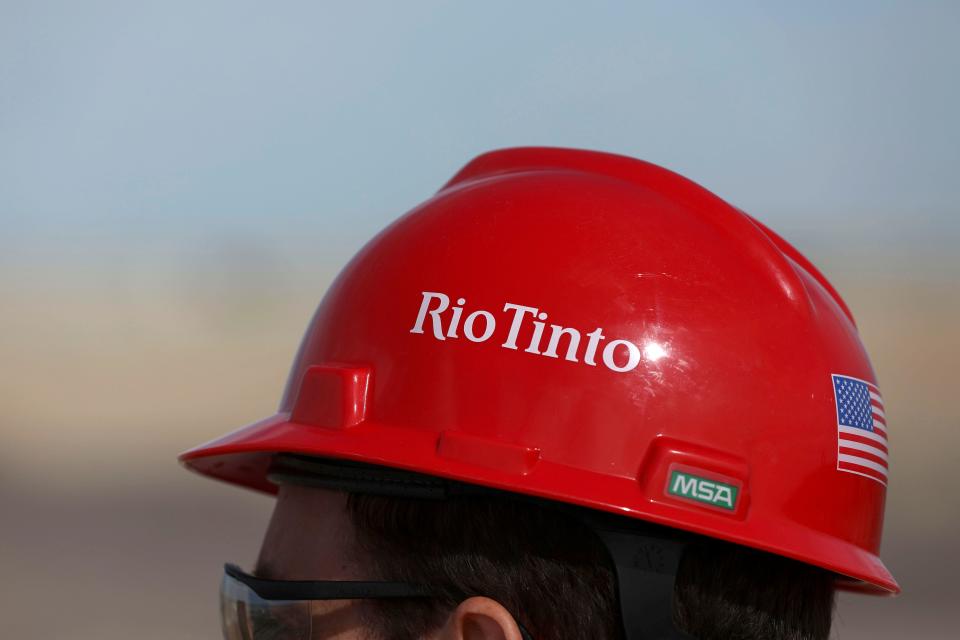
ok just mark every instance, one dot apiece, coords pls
pixel 554 575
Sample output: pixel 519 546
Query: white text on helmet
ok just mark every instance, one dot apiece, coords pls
pixel 480 326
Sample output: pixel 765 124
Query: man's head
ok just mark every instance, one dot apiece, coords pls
pixel 313 536
pixel 583 329
pixel 496 562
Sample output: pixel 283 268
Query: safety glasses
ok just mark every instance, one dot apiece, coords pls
pixel 253 608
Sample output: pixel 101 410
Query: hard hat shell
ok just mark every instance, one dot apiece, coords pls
pixel 592 329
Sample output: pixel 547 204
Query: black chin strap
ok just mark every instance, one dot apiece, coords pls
pixel 645 557
pixel 646 564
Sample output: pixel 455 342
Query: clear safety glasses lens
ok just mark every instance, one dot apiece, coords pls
pixel 253 608
pixel 247 616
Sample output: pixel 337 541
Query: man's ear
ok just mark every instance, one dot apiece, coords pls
pixel 480 618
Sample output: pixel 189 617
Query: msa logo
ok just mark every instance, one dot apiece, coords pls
pixel 711 492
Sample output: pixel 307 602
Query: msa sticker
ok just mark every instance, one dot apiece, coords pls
pixel 709 492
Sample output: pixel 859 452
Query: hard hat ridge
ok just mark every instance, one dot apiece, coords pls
pixel 771 250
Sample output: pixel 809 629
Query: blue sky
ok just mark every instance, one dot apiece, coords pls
pixel 154 128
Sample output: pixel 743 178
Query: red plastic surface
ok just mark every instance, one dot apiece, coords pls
pixel 333 396
pixel 716 345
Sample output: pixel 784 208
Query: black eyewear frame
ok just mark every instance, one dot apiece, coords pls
pixel 333 589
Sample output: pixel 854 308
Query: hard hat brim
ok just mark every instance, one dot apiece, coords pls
pixel 242 457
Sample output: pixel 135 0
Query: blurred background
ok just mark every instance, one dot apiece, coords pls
pixel 180 181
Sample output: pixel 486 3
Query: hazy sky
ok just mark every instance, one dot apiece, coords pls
pixel 148 128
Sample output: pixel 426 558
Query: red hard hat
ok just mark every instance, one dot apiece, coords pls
pixel 596 330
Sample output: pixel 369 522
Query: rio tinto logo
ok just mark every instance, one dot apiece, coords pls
pixel 445 321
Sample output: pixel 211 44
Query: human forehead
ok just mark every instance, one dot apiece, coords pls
pixel 310 537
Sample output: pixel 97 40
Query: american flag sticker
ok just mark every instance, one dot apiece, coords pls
pixel 861 428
